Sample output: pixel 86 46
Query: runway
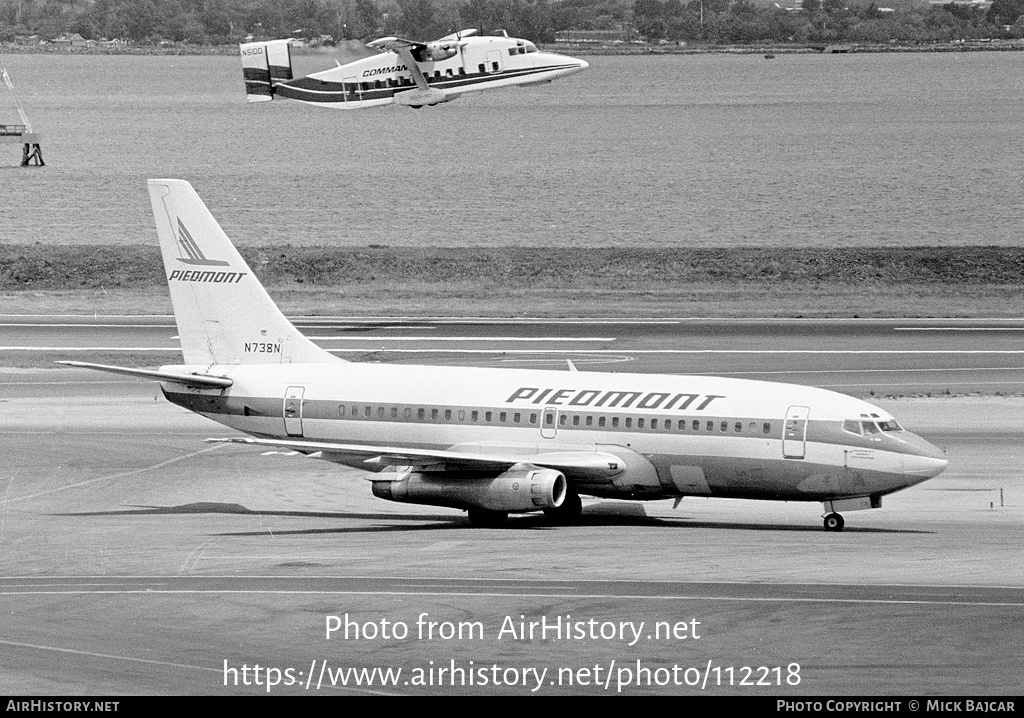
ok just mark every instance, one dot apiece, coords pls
pixel 857 356
pixel 138 560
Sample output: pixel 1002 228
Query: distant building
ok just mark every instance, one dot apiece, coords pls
pixel 74 40
pixel 624 33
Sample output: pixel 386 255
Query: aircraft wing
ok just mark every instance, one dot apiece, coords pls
pixel 404 49
pixel 574 464
pixel 203 381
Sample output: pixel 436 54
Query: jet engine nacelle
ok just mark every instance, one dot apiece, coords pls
pixel 516 490
pixel 439 50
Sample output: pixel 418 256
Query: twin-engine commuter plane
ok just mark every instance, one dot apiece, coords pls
pixel 406 72
pixel 498 441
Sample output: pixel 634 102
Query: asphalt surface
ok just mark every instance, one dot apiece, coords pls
pixel 136 559
pixel 857 356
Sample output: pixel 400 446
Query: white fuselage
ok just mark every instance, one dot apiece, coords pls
pixel 675 435
pixel 481 63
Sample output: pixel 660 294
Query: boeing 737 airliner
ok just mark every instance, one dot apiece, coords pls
pixel 499 441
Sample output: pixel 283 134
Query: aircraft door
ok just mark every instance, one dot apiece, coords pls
pixel 494 61
pixel 549 422
pixel 794 436
pixel 351 88
pixel 293 411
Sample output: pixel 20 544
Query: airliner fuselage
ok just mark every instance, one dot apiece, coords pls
pixel 673 435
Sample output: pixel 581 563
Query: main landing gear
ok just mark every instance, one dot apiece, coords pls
pixel 487 519
pixel 568 512
pixel 834 522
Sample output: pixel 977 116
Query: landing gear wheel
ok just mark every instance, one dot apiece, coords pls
pixel 834 522
pixel 486 519
pixel 568 512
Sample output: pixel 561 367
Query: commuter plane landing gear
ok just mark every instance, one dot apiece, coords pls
pixel 834 522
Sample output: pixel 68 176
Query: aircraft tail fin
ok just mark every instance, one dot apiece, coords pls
pixel 224 314
pixel 263 65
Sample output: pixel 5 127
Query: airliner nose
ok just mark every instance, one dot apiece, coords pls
pixel 924 461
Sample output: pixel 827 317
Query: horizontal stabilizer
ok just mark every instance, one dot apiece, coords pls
pixel 203 381
pixel 264 64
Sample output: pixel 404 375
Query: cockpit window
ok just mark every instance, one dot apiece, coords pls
pixel 852 426
pixel 869 427
pixel 889 425
pixel 522 47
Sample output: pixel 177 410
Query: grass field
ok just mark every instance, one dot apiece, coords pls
pixel 518 281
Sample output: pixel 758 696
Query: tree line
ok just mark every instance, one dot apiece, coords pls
pixel 224 22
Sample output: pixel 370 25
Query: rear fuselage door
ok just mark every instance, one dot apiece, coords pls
pixel 293 411
pixel 794 437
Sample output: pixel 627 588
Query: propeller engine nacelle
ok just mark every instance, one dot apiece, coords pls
pixel 438 50
pixel 517 490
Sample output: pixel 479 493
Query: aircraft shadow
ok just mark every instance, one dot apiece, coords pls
pixel 610 514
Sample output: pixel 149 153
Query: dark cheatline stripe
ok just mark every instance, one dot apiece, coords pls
pixel 281 72
pixel 313 90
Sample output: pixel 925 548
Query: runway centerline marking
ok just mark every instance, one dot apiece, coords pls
pixel 463 339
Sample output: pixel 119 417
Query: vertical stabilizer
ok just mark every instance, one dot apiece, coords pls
pixel 224 314
pixel 263 65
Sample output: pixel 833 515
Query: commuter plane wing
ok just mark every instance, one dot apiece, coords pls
pixel 500 441
pixel 404 72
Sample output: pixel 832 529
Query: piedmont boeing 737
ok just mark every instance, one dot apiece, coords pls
pixel 406 73
pixel 498 441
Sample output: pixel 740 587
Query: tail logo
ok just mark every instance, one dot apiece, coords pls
pixel 195 254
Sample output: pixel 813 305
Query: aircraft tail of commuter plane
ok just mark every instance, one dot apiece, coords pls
pixel 500 441
pixel 404 72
